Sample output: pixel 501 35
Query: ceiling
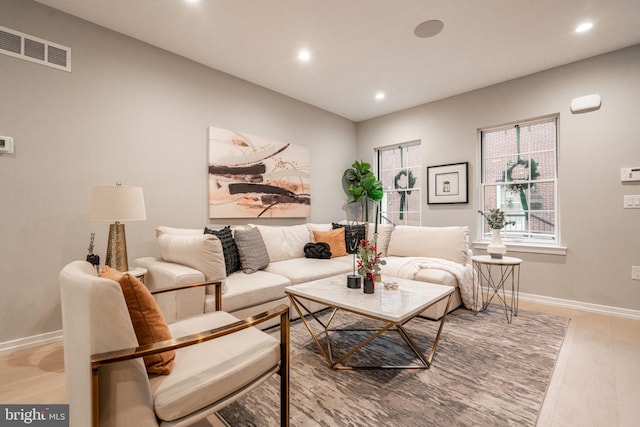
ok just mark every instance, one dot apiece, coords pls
pixel 360 47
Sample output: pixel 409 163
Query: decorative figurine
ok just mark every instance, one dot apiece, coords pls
pixel 92 258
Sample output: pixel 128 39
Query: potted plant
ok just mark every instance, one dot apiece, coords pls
pixel 362 187
pixel 497 221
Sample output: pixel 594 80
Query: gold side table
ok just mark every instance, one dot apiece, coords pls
pixel 138 272
pixel 494 275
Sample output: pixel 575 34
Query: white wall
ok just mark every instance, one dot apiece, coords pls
pixel 132 113
pixel 603 239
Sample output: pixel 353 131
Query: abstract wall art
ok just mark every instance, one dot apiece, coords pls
pixel 256 177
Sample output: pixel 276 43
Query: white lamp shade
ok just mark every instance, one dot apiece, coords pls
pixel 117 203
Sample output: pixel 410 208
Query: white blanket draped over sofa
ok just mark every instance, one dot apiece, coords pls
pixel 408 267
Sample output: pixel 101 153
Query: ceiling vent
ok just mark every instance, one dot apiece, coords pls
pixel 24 46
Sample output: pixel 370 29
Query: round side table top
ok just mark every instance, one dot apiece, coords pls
pixel 505 260
pixel 137 271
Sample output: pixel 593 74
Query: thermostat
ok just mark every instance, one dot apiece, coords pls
pixel 627 174
pixel 6 144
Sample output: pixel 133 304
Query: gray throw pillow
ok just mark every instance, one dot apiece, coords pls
pixel 252 250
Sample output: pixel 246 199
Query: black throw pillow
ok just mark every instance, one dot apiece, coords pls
pixel 229 248
pixel 352 236
pixel 320 250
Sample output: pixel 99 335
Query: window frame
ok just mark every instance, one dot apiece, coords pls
pixel 522 243
pixel 416 187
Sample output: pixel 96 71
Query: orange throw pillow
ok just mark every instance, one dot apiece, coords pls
pixel 335 239
pixel 146 317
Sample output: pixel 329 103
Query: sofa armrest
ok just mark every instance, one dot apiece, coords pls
pixel 163 275
pixel 216 285
pixel 169 282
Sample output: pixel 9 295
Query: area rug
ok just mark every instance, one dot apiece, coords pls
pixel 485 372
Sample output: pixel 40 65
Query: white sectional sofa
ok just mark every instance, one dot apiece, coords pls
pixel 430 254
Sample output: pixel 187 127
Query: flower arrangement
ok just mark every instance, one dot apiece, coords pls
pixel 496 219
pixel 369 260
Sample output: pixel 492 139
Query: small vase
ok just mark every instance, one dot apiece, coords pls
pixel 496 248
pixel 368 287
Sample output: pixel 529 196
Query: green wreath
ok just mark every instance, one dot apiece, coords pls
pixel 513 186
pixel 403 191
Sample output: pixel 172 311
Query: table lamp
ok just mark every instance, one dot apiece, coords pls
pixel 117 203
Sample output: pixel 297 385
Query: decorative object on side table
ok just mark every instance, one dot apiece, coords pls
pixel 497 221
pixel 92 258
pixel 369 263
pixel 117 203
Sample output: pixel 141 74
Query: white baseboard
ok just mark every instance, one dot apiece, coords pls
pixel 578 305
pixel 32 341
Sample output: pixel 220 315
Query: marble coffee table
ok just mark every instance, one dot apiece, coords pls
pixel 391 308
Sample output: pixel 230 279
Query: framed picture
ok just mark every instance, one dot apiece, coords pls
pixel 448 183
pixel 252 176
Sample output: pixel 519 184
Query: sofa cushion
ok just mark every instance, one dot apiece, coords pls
pixel 436 242
pixel 335 239
pixel 384 236
pixel 300 270
pixel 284 242
pixel 252 250
pixel 247 290
pixel 213 369
pixel 353 233
pixel 201 251
pixel 229 248
pixel 146 317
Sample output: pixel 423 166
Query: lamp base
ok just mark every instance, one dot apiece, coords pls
pixel 117 248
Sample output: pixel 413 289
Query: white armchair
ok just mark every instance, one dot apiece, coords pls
pixel 218 358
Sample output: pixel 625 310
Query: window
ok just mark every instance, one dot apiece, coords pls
pixel 399 170
pixel 519 176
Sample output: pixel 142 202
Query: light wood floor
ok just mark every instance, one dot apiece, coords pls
pixel 596 381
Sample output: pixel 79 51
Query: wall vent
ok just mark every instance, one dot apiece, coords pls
pixel 34 49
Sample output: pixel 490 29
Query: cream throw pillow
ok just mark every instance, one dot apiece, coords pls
pixel 202 252
pixel 284 242
pixel 434 242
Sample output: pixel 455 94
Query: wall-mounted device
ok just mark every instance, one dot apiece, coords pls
pixel 586 103
pixel 6 144
pixel 626 174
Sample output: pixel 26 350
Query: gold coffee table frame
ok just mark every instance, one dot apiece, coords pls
pixel 337 362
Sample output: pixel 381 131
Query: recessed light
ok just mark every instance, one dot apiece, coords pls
pixel 192 1
pixel 585 26
pixel 429 28
pixel 380 95
pixel 304 55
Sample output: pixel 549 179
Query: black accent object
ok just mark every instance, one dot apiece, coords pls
pixel 229 248
pixel 319 250
pixel 92 258
pixel 353 281
pixel 368 285
pixel 352 236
